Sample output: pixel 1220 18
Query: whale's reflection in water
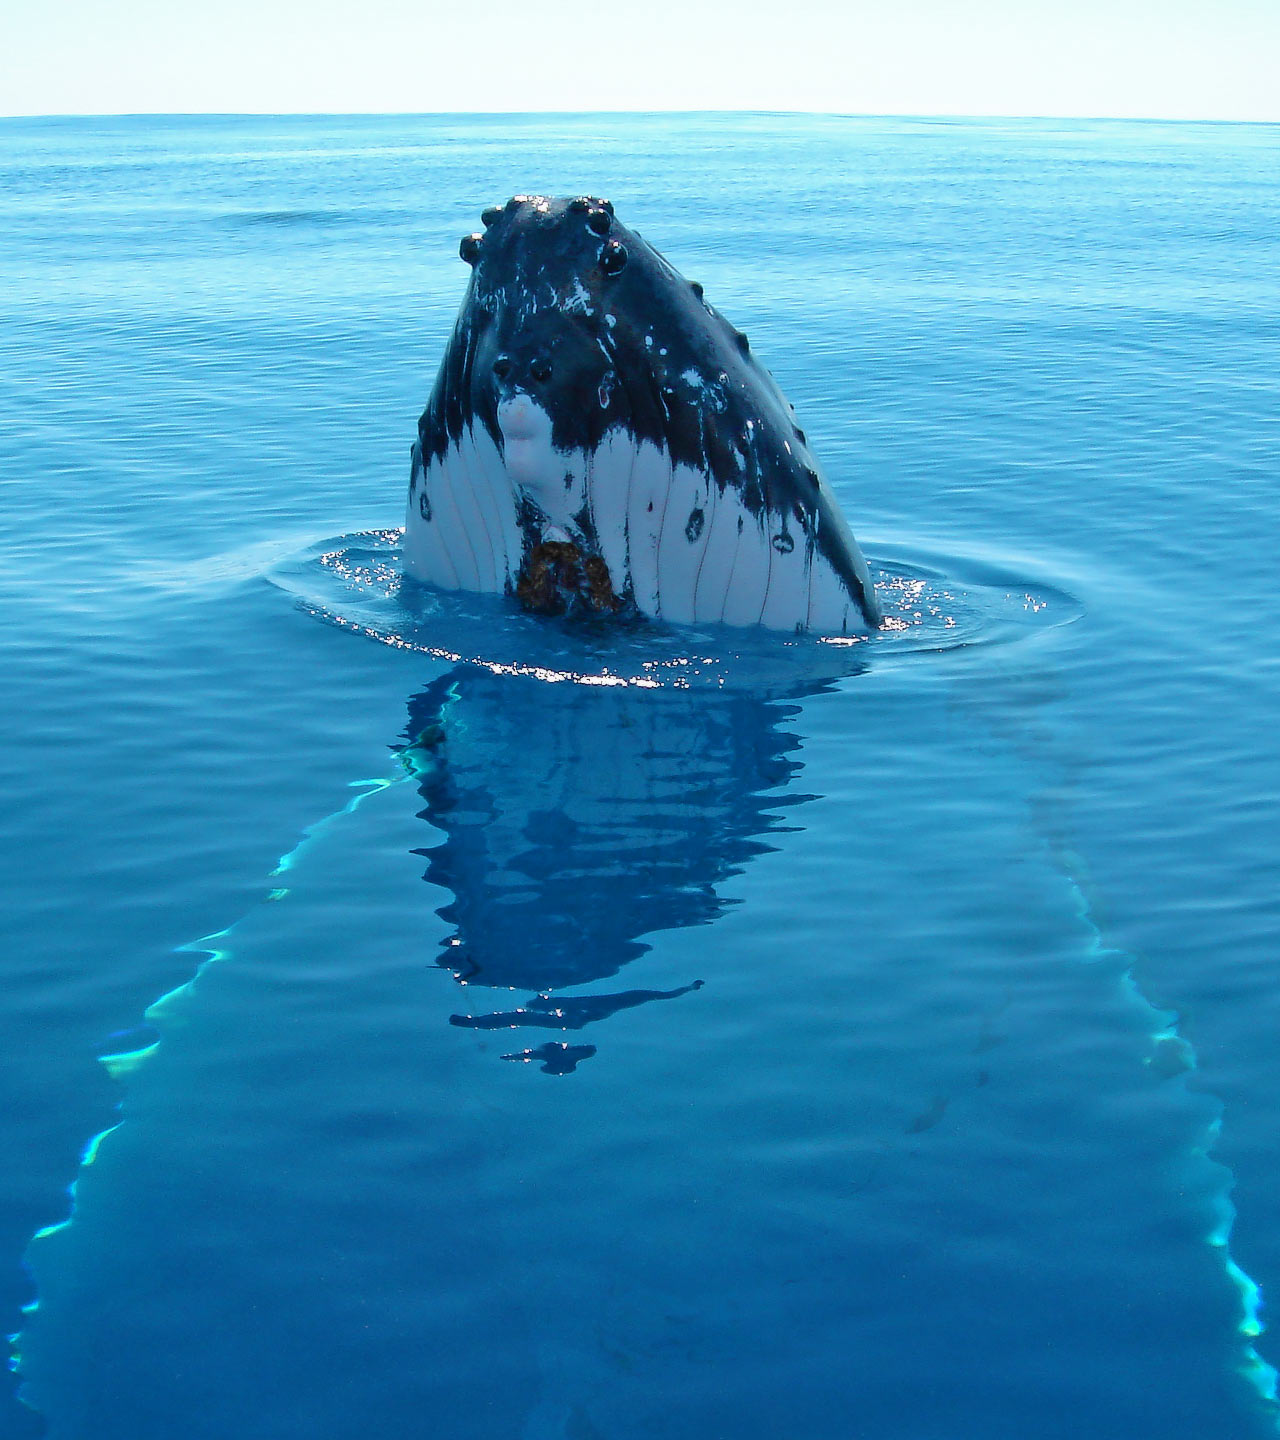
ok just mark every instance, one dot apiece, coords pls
pixel 273 1235
pixel 578 820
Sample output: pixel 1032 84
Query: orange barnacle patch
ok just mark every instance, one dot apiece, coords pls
pixel 556 577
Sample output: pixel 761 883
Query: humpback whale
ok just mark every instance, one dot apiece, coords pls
pixel 600 438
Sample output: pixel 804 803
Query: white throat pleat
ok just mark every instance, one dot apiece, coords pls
pixel 726 520
pixel 500 501
pixel 682 543
pixel 786 606
pixel 458 518
pixel 646 509
pixel 608 487
pixel 426 555
pixel 470 492
pixel 748 587
pixel 829 600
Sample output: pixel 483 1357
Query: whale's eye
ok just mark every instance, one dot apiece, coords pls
pixel 491 216
pixel 469 249
pixel 502 367
pixel 540 369
pixel 598 221
pixel 613 257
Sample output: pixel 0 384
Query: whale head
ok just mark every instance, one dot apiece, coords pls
pixel 600 437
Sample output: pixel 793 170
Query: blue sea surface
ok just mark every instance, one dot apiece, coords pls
pixel 456 1024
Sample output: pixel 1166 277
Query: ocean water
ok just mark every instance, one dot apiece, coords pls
pixel 443 1039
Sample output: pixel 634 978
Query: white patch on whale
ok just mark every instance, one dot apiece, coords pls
pixel 578 300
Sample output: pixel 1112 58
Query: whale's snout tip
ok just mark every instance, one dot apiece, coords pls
pixel 520 417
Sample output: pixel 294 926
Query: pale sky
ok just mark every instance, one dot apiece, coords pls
pixel 1175 59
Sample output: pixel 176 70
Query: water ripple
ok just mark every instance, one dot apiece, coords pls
pixel 933 604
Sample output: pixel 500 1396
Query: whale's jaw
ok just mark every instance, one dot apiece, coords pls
pixel 592 402
pixel 666 539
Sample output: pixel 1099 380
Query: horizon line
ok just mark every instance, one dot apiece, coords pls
pixel 954 116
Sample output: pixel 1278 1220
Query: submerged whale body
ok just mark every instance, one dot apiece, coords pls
pixel 600 438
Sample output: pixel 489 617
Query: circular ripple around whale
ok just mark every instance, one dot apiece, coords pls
pixel 934 603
